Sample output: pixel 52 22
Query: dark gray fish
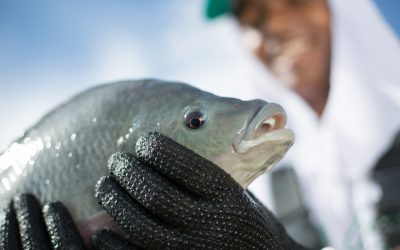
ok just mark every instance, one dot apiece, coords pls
pixel 65 153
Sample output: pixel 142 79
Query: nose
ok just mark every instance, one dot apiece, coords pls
pixel 280 19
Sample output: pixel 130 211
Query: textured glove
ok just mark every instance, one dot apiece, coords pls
pixel 105 240
pixel 171 198
pixel 23 225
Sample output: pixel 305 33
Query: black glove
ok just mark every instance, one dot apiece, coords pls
pixel 171 198
pixel 23 225
pixel 105 240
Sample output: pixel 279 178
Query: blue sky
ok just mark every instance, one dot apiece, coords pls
pixel 50 50
pixel 391 10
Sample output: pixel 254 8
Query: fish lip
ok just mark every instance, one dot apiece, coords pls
pixel 247 138
pixel 277 137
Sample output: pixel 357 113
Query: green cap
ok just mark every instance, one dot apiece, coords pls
pixel 216 8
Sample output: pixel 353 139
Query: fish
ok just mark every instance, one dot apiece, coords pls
pixel 63 155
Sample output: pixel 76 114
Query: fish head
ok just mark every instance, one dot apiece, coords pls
pixel 245 138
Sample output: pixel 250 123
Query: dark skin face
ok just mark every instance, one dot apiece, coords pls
pixel 292 38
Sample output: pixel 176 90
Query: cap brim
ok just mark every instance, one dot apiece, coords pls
pixel 216 8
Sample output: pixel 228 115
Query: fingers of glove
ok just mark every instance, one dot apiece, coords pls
pixel 182 165
pixel 141 226
pixel 31 224
pixel 105 240
pixel 62 230
pixel 153 191
pixel 9 232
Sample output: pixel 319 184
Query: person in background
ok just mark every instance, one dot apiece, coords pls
pixel 333 66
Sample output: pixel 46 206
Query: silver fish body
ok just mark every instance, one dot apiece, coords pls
pixel 66 152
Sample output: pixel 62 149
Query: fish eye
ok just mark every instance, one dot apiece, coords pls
pixel 195 119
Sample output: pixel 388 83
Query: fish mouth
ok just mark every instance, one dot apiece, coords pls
pixel 258 146
pixel 266 126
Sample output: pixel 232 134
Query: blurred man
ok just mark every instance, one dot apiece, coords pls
pixel 292 38
pixel 336 65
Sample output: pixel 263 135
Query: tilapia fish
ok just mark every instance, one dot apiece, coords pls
pixel 66 152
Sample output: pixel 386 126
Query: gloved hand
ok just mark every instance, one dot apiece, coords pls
pixel 23 225
pixel 171 198
pixel 105 240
